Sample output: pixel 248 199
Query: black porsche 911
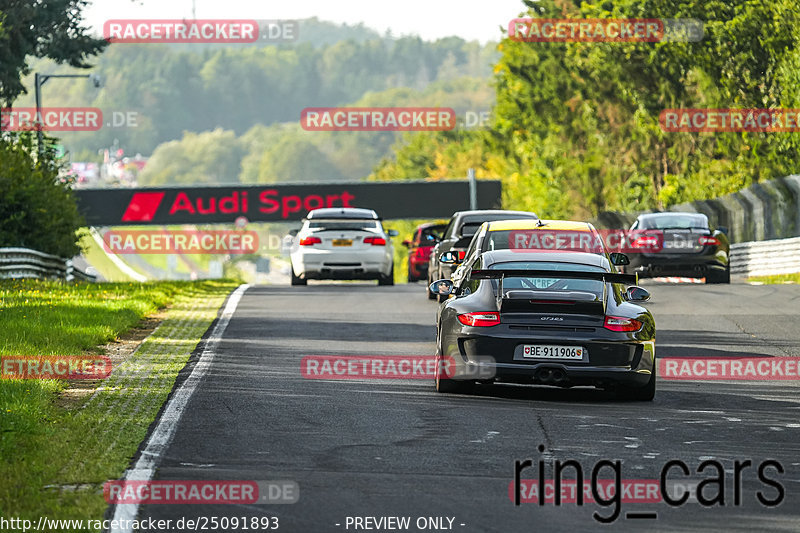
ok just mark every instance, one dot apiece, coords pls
pixel 550 318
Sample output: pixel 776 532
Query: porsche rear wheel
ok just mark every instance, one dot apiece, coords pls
pixel 451 386
pixel 641 394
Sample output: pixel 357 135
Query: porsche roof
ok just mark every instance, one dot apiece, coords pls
pixel 580 258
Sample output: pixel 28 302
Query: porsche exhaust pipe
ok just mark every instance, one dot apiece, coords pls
pixel 551 375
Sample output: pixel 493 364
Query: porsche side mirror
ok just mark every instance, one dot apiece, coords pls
pixel 442 287
pixel 619 259
pixel 637 294
pixel 449 258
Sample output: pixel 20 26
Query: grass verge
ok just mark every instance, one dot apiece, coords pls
pixel 780 278
pixel 54 458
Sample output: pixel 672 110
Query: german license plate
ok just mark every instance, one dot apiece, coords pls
pixel 547 351
pixel 343 242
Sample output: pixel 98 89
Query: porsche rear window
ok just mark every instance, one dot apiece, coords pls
pixel 554 282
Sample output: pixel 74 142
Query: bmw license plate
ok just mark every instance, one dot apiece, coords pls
pixel 546 351
pixel 342 242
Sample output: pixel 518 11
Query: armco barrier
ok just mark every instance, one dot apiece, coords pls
pixel 766 258
pixel 767 210
pixel 763 222
pixel 26 263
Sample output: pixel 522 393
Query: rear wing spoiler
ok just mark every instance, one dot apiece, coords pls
pixel 608 277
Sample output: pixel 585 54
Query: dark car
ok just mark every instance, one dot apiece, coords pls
pixel 419 249
pixel 680 244
pixel 550 318
pixel 457 235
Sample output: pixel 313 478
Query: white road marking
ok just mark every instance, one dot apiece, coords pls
pixel 114 258
pixel 634 442
pixel 489 436
pixel 164 432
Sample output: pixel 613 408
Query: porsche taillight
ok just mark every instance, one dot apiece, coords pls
pixel 485 319
pixel 618 323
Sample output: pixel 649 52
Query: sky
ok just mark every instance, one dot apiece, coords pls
pixel 430 19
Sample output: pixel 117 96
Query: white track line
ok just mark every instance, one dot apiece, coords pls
pixel 164 431
pixel 128 271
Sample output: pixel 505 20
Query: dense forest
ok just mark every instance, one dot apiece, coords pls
pixel 575 128
pixel 212 113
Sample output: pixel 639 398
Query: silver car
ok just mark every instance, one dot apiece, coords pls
pixel 343 243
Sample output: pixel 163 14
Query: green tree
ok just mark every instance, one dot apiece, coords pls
pixel 296 159
pixel 30 28
pixel 208 158
pixel 37 209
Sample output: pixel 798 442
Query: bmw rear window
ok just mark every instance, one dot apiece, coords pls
pixel 339 224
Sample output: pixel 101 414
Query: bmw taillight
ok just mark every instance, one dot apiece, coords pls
pixel 375 241
pixel 309 241
pixel 480 319
pixel 618 323
pixel 707 240
pixel 647 241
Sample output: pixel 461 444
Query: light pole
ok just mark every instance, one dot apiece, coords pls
pixel 39 80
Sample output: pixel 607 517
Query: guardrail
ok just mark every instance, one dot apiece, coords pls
pixel 27 263
pixel 766 258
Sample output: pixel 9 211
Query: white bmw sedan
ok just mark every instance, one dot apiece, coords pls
pixel 343 243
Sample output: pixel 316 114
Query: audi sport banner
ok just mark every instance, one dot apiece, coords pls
pixel 279 203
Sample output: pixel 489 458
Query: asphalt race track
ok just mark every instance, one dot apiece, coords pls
pixel 372 448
